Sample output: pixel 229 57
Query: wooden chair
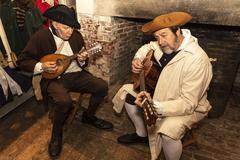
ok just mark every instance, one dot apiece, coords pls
pixel 190 137
pixel 76 100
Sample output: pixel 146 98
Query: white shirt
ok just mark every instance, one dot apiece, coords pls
pixel 65 50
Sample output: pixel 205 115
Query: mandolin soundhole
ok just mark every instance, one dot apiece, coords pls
pixel 59 62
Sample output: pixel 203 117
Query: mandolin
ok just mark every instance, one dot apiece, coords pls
pixel 64 61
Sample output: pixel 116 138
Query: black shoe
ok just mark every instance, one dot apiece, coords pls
pixel 132 138
pixel 55 146
pixel 97 122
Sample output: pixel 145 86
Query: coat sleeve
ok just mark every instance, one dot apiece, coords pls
pixel 78 44
pixel 143 51
pixel 196 80
pixel 28 58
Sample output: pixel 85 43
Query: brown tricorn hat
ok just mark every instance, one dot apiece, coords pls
pixel 166 20
pixel 63 14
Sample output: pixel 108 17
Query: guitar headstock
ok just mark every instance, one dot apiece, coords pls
pixel 94 48
pixel 149 113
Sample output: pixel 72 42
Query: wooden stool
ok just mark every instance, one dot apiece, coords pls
pixel 190 137
pixel 76 100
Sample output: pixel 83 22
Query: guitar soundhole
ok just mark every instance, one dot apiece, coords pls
pixel 59 62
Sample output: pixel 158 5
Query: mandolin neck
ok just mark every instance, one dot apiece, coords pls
pixel 74 56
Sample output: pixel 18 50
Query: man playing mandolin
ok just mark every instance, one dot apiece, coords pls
pixel 179 97
pixel 62 39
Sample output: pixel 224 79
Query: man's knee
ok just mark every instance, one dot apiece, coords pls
pixel 166 138
pixel 63 104
pixel 130 99
pixel 102 88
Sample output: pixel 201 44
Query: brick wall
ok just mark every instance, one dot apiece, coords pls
pixel 120 39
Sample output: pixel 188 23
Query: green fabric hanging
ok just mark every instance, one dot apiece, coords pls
pixel 18 38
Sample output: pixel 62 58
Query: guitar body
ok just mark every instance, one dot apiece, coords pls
pixel 151 73
pixel 62 62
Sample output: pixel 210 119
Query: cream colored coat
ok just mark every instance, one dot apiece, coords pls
pixel 180 97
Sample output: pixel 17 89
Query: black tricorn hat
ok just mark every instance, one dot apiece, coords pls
pixel 62 14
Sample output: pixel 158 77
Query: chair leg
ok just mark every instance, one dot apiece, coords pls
pixel 51 114
pixel 76 98
pixel 190 137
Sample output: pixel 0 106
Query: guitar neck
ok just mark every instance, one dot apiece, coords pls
pixel 142 81
pixel 143 87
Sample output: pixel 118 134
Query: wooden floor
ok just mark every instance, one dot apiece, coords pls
pixel 25 133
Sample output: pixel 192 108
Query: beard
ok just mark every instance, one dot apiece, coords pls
pixel 169 49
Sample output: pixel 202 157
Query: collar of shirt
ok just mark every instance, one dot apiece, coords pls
pixel 186 35
pixel 63 47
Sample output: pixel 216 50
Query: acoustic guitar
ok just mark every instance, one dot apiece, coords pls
pixel 63 61
pixel 149 114
pixel 151 73
pixel 146 81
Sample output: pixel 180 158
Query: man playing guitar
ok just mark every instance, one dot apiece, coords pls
pixel 180 93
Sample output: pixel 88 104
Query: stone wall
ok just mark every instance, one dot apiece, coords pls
pixel 120 39
pixel 224 12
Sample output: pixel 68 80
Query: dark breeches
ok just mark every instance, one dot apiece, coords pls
pixel 83 82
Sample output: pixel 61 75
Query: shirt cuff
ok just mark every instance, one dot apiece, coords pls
pixel 139 57
pixel 38 68
pixel 81 63
pixel 158 107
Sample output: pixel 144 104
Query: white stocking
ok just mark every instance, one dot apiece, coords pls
pixel 135 115
pixel 172 148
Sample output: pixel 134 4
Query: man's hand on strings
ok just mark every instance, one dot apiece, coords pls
pixel 49 66
pixel 82 56
pixel 136 65
pixel 140 98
